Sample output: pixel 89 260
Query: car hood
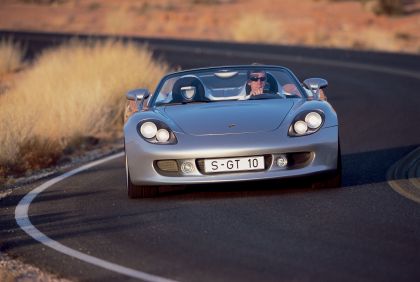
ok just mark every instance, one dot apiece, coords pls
pixel 232 117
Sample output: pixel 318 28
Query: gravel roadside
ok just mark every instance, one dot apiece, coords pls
pixel 15 270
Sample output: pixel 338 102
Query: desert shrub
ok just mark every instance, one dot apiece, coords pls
pixel 11 56
pixel 94 6
pixel 389 7
pixel 71 91
pixel 212 2
pixel 43 2
pixel 382 7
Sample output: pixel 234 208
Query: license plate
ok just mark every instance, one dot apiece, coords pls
pixel 233 164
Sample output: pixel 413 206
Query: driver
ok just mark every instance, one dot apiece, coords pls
pixel 256 82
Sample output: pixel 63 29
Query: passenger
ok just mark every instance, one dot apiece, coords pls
pixel 291 89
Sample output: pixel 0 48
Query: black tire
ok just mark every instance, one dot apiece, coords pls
pixel 139 191
pixel 331 180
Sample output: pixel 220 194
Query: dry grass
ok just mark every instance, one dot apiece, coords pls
pixel 71 92
pixel 257 28
pixel 11 56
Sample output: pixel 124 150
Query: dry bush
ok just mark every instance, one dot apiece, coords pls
pixel 211 2
pixel 382 7
pixel 257 28
pixel 11 56
pixel 388 7
pixel 71 92
pixel 93 6
pixel 43 2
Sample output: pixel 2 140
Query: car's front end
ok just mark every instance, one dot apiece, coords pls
pixel 216 140
pixel 183 161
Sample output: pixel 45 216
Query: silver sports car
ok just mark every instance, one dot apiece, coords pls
pixel 230 123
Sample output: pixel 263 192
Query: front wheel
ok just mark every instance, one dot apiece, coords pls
pixel 138 191
pixel 332 180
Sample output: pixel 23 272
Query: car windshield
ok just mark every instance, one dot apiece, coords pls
pixel 224 84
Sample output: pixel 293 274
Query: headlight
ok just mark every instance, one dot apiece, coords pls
pixel 156 132
pixel 307 122
pixel 313 120
pixel 148 130
pixel 162 135
pixel 300 127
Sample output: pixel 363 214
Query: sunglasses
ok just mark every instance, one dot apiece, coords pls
pixel 256 78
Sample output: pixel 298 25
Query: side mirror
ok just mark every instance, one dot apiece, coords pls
pixel 135 99
pixel 138 94
pixel 315 85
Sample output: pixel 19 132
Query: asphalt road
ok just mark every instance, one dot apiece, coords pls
pixel 258 231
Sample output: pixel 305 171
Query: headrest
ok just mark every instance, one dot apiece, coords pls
pixel 184 87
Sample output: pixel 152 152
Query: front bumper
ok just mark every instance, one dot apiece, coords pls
pixel 142 156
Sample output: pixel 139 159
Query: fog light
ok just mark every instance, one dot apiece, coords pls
pixel 168 165
pixel 281 161
pixel 187 167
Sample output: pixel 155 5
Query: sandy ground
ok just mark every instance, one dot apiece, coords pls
pixel 347 24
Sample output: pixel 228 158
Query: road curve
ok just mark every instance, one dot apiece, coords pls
pixel 251 232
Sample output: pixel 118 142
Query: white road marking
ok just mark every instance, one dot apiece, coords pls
pixel 22 219
pixel 403 176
